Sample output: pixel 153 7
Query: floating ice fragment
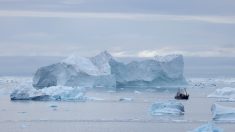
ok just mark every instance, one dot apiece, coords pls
pixel 170 107
pixel 25 91
pixel 226 92
pixel 210 127
pixel 222 113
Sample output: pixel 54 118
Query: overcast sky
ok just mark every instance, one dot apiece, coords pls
pixel 123 27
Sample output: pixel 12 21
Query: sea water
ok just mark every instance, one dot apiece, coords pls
pixel 104 112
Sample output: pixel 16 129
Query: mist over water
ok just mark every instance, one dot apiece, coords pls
pixel 206 67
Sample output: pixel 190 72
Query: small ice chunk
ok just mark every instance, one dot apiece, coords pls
pixel 126 99
pixel 137 92
pixel 226 92
pixel 167 108
pixel 209 127
pixel 222 113
pixel 26 91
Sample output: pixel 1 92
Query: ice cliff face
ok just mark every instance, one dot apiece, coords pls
pixel 150 73
pixel 172 65
pixel 77 71
pixel 104 71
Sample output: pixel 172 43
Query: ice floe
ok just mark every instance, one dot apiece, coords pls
pixel 170 107
pixel 227 93
pixel 26 91
pixel 222 113
pixel 209 127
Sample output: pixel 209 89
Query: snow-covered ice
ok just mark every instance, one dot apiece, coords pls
pixel 209 127
pixel 227 93
pixel 104 71
pixel 26 91
pixel 170 107
pixel 222 113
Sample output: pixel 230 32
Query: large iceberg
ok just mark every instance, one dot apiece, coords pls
pixel 77 71
pixel 209 127
pixel 104 71
pixel 226 92
pixel 26 91
pixel 167 108
pixel 222 113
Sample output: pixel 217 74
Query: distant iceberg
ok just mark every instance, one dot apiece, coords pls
pixel 104 71
pixel 209 127
pixel 25 91
pixel 222 113
pixel 226 94
pixel 167 108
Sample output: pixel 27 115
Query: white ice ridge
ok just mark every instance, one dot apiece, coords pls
pixel 98 65
pixel 104 71
pixel 209 127
pixel 170 107
pixel 26 91
pixel 226 93
pixel 222 113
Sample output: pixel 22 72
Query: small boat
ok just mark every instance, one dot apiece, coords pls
pixel 182 94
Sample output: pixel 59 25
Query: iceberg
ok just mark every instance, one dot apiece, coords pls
pixel 167 108
pixel 76 71
pixel 226 93
pixel 222 113
pixel 149 73
pixel 103 71
pixel 26 91
pixel 209 127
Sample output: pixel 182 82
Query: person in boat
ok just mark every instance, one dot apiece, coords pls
pixel 182 94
